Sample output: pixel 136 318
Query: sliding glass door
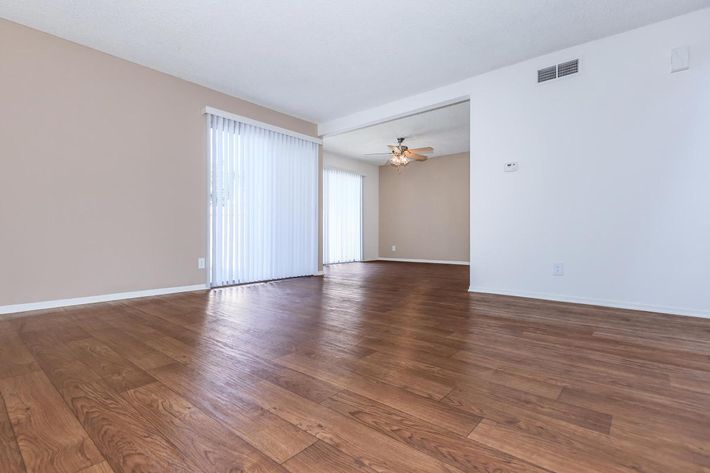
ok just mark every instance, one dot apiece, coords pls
pixel 263 203
pixel 342 216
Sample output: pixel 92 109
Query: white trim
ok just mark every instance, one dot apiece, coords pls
pixel 251 121
pixel 11 309
pixel 432 261
pixel 345 169
pixel 319 273
pixel 684 311
pixel 208 204
pixel 362 216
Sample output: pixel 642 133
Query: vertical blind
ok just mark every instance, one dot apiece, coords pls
pixel 342 216
pixel 263 203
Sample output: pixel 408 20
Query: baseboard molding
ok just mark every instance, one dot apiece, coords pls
pixel 319 273
pixel 432 261
pixel 704 314
pixel 12 309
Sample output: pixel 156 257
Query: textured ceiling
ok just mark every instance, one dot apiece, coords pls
pixel 322 59
pixel 445 129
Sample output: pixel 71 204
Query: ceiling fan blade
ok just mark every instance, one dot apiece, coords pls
pixel 427 149
pixel 418 157
pixel 377 154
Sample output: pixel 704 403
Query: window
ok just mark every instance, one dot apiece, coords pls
pixel 342 216
pixel 263 203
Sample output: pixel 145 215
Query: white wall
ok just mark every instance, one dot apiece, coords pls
pixel 614 176
pixel 371 189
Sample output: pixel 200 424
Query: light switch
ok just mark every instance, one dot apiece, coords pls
pixel 680 59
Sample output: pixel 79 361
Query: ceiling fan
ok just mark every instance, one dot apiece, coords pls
pixel 400 155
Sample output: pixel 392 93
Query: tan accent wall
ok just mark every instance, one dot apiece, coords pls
pixel 424 209
pixel 102 171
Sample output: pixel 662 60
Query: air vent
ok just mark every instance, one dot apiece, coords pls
pixel 547 73
pixel 568 68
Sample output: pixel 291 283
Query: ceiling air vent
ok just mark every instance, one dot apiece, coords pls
pixel 547 73
pixel 567 68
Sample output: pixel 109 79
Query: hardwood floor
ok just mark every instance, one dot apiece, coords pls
pixel 377 367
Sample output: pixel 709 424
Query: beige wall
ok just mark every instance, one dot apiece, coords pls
pixel 102 171
pixel 424 209
pixel 370 199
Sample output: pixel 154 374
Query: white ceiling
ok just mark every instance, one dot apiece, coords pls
pixel 444 129
pixel 322 59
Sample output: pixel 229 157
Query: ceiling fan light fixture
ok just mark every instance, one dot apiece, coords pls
pixel 398 160
pixel 400 155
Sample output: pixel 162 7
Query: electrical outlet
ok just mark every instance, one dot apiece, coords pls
pixel 200 263
pixel 558 269
pixel 394 247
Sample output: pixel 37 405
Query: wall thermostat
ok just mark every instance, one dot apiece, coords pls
pixel 510 167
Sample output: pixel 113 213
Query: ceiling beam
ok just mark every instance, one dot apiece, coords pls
pixel 442 96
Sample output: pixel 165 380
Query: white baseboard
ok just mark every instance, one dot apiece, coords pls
pixel 11 309
pixel 319 273
pixel 432 261
pixel 705 314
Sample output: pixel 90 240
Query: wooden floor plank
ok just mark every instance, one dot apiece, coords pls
pixel 374 449
pixel 128 442
pixel 10 457
pixel 322 457
pixel 15 359
pixel 449 417
pixel 635 416
pixel 102 467
pixel 504 404
pixel 118 372
pixel 218 395
pixel 132 349
pixel 555 459
pixel 208 443
pixel 460 374
pixel 49 436
pixel 57 362
pixel 563 455
pixel 438 443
